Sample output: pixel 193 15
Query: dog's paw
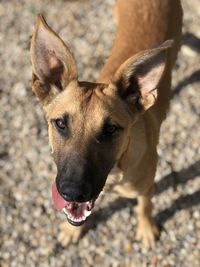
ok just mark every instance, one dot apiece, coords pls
pixel 68 233
pixel 147 232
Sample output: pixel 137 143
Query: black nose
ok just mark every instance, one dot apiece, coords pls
pixel 75 193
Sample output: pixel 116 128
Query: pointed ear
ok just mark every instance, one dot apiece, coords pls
pixel 138 78
pixel 52 62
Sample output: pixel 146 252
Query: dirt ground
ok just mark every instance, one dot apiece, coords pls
pixel 28 221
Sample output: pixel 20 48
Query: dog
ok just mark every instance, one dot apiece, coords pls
pixel 109 128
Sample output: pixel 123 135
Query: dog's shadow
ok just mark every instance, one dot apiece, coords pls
pixel 192 41
pixel 169 181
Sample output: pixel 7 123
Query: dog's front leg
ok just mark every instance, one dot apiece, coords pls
pixel 69 233
pixel 147 231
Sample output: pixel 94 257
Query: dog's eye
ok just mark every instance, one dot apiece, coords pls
pixel 60 123
pixel 110 129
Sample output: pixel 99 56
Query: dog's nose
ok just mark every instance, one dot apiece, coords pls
pixel 75 194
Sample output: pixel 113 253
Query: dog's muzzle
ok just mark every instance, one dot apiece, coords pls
pixel 76 212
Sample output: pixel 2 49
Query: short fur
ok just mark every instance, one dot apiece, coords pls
pixel 132 95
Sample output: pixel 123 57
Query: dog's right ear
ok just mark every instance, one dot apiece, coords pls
pixel 53 65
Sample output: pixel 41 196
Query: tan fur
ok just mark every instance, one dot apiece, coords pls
pixel 141 25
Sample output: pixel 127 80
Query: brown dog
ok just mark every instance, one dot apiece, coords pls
pixel 109 128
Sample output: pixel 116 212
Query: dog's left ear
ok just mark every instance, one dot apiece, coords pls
pixel 138 78
pixel 53 64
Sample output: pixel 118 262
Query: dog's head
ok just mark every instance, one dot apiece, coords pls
pixel 89 123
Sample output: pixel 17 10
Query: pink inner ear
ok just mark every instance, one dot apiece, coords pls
pixel 51 68
pixel 54 63
pixel 150 80
pixel 47 47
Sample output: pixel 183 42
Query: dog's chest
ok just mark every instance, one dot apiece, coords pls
pixel 116 184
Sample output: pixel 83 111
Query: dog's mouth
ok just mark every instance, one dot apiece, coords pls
pixel 75 212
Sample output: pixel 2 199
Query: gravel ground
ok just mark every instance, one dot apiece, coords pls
pixel 28 222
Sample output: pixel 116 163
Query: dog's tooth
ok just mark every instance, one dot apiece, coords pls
pixel 64 210
pixel 79 219
pixel 87 213
pixel 76 219
pixel 70 217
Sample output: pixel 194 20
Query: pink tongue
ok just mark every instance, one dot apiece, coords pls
pixel 58 201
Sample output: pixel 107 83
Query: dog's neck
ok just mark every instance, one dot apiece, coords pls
pixel 132 33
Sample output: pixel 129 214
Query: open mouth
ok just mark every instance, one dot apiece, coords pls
pixel 75 212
